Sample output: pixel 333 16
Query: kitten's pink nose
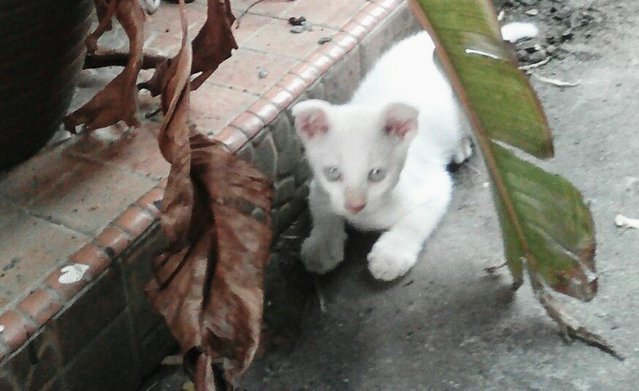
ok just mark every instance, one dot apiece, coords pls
pixel 354 200
pixel 355 207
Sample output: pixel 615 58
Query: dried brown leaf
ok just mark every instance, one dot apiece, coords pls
pixel 118 100
pixel 216 214
pixel 212 45
pixel 104 10
pixel 240 197
pixel 209 287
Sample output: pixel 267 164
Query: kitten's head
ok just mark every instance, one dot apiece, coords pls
pixel 356 152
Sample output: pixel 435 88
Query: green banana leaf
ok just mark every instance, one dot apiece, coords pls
pixel 545 222
pixel 546 227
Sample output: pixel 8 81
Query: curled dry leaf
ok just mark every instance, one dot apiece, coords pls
pixel 215 41
pixel 212 45
pixel 208 284
pixel 118 100
pixel 240 198
pixel 104 10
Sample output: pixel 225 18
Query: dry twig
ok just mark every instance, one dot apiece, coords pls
pixel 556 82
pixel 536 65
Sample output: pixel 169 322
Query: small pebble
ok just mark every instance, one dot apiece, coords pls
pixel 567 35
pixel 293 21
pixel 532 12
pixel 324 40
pixel 532 48
pixel 262 73
pixel 536 57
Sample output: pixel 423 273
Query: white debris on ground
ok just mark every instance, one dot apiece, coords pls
pixel 626 222
pixel 72 273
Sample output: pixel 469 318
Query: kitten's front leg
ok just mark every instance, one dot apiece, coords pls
pixel 398 249
pixel 323 250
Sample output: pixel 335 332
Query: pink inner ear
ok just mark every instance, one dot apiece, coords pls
pixel 312 123
pixel 400 128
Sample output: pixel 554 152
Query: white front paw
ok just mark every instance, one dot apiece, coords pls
pixel 321 255
pixel 389 262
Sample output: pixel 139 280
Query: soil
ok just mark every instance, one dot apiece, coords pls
pixel 562 24
pixel 449 325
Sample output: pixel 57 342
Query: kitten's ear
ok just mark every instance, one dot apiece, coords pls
pixel 400 120
pixel 311 119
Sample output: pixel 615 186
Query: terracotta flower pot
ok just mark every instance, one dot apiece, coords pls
pixel 41 54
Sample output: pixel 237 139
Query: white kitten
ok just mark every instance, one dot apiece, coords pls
pixel 379 161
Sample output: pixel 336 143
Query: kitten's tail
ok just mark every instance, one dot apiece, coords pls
pixel 513 32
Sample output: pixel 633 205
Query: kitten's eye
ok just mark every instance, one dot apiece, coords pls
pixel 332 173
pixel 376 174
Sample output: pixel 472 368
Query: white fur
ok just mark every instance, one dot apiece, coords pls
pixel 404 85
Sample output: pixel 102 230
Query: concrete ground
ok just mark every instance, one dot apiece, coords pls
pixel 448 324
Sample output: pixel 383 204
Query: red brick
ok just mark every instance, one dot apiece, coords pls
pixel 233 138
pixel 152 201
pixel 40 305
pixel 320 61
pixel 265 110
pixel 376 11
pixel 89 252
pixel 279 97
pixel 248 123
pixel 134 221
pixel 307 72
pixel 333 51
pixel 113 241
pixel 293 84
pixel 366 20
pixel 93 256
pixel 345 41
pixel 65 291
pixel 388 4
pixel 356 30
pixel 16 331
